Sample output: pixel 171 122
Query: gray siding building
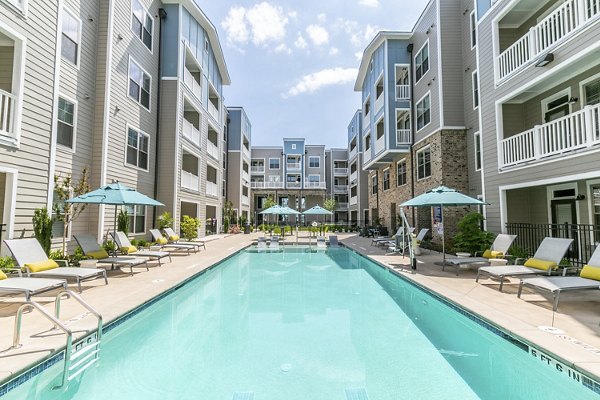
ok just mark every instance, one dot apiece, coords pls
pixel 238 161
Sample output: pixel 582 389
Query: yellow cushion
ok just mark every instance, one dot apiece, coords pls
pixel 41 265
pixel 492 254
pixel 590 272
pixel 98 255
pixel 174 238
pixel 162 241
pixel 128 249
pixel 2 275
pixel 540 264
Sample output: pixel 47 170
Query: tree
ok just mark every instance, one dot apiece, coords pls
pixel 68 212
pixel 269 202
pixel 470 237
pixel 189 227
pixel 330 205
pixel 42 228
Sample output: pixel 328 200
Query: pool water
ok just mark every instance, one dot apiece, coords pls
pixel 300 326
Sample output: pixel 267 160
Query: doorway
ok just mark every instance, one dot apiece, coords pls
pixel 564 221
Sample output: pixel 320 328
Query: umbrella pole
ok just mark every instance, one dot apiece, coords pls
pixel 115 226
pixel 443 235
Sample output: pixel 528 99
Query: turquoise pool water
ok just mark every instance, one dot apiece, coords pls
pixel 304 326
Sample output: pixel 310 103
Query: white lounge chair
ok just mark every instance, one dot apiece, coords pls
pixel 589 278
pixel 333 241
pixel 321 243
pixel 274 244
pixel 174 238
pixel 401 242
pixel 32 259
pixel 381 239
pixel 546 259
pixel 126 247
pixel 29 287
pixel 92 248
pixel 163 242
pixel 499 248
pixel 261 243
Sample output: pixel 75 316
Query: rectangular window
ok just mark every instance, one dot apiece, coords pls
pixel 367 142
pixel 423 112
pixel 595 190
pixel 473 21
pixel 314 162
pixel 141 23
pixel 401 173
pixel 139 84
pixel 137 148
pixel 65 128
pixel 475 90
pixel 57 224
pixel 314 178
pixel 386 179
pixel 273 163
pixel 424 163
pixel 137 218
pixel 477 151
pixel 71 37
pixel 374 184
pixel 422 62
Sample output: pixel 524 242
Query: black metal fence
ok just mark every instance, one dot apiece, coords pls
pixel 585 238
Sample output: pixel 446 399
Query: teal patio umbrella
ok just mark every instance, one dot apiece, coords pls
pixel 443 196
pixel 317 210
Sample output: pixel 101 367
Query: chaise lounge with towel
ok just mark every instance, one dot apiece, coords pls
pixel 32 259
pixel 498 249
pixel 92 248
pixel 174 238
pixel 163 242
pixel 127 248
pixel 545 260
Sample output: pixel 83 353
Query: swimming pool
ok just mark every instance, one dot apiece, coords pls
pixel 300 325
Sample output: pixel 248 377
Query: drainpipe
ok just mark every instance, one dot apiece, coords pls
pixel 409 49
pixel 162 15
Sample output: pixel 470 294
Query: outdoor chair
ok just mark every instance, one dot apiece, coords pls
pixel 333 241
pixel 376 240
pixel 92 248
pixel 321 243
pixel 28 287
pixel 499 249
pixel 274 244
pixel 32 259
pixel 127 248
pixel 261 243
pixel 401 242
pixel 163 242
pixel 545 260
pixel 174 238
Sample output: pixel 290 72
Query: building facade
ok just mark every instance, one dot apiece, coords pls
pixel 238 162
pixel 358 206
pixel 336 181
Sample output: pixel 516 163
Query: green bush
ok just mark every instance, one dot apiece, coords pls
pixel 109 246
pixel 277 230
pixel 470 238
pixel 189 227
pixel 6 263
pixel 56 255
pixel 164 220
pixel 142 243
pixel 77 256
pixel 288 229
pixel 42 228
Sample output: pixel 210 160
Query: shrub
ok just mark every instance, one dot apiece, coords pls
pixel 42 228
pixel 77 256
pixel 6 263
pixel 142 243
pixel 164 220
pixel 123 222
pixel 109 246
pixel 189 227
pixel 277 230
pixel 470 238
pixel 56 255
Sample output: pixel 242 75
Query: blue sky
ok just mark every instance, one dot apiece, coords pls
pixel 293 64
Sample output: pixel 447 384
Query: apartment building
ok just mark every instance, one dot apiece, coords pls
pixel 238 161
pixel 358 195
pixel 336 181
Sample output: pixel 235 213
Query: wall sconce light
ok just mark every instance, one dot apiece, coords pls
pixel 573 100
pixel 117 109
pixel 87 96
pixel 580 197
pixel 466 11
pixel 467 69
pixel 89 18
pixel 545 60
pixel 120 37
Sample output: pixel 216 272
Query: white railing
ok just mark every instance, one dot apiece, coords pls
pixel 212 189
pixel 213 111
pixel 340 171
pixel 353 153
pixel 379 103
pixel 294 185
pixel 246 151
pixel 266 185
pixel 245 176
pixel 353 176
pixel 353 200
pixel 380 144
pixel 575 131
pixel 366 120
pixel 341 206
pixel 314 185
pixel 340 188
pixel 402 92
pixel 190 132
pixel 192 83
pixel 294 166
pixel 190 181
pixel 212 149
pixel 403 136
pixel 245 200
pixel 258 169
pixel 555 27
pixel 8 104
pixel 367 156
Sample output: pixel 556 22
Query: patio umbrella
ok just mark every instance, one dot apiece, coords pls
pixel 116 194
pixel 317 210
pixel 442 196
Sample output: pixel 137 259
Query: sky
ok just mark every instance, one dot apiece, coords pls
pixel 293 64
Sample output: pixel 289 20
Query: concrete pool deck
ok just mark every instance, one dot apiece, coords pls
pixel 578 314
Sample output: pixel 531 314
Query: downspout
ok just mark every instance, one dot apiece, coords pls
pixel 409 48
pixel 162 15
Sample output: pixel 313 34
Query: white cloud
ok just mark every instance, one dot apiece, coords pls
pixel 361 37
pixel 262 23
pixel 333 51
pixel 300 42
pixel 235 26
pixel 317 34
pixel 282 48
pixel 293 14
pixel 327 77
pixel 322 17
pixel 369 3
pixel 358 55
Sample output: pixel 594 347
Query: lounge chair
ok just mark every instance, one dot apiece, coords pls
pixel 92 248
pixel 546 259
pixel 274 244
pixel 401 242
pixel 174 238
pixel 499 248
pixel 163 242
pixel 321 243
pixel 333 241
pixel 261 243
pixel 589 278
pixel 29 286
pixel 127 248
pixel 32 259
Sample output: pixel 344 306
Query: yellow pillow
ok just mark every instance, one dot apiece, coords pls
pixel 174 238
pixel 590 272
pixel 540 264
pixel 162 241
pixel 492 254
pixel 41 265
pixel 128 249
pixel 2 275
pixel 98 255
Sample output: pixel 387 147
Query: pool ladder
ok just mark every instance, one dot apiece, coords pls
pixel 77 358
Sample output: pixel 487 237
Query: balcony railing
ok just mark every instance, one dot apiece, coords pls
pixel 314 185
pixel 575 131
pixel 190 132
pixel 246 151
pixel 340 188
pixel 294 185
pixel 553 29
pixel 213 111
pixel 403 136
pixel 402 92
pixel 380 144
pixel 367 156
pixel 341 206
pixel 257 169
pixel 212 150
pixel 353 153
pixel 266 185
pixel 192 84
pixel 353 176
pixel 212 189
pixel 190 181
pixel 294 166
pixel 379 103
pixel 245 176
pixel 353 200
pixel 8 104
pixel 340 171
pixel 245 200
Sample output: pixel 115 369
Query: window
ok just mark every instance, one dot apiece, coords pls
pixel 137 148
pixel 422 62
pixel 314 162
pixel 595 190
pixel 65 128
pixel 424 163
pixel 137 218
pixel 293 146
pixel 206 45
pixel 71 36
pixel 58 225
pixel 473 22
pixel 423 112
pixel 477 151
pixel 139 84
pixel 141 23
pixel 592 92
pixel 386 179
pixel 314 178
pixel 374 184
pixel 367 142
pixel 273 163
pixel 475 90
pixel 401 173
pixel 367 107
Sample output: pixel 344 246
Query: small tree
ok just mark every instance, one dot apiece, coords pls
pixel 164 220
pixel 330 205
pixel 68 212
pixel 269 202
pixel 42 228
pixel 470 237
pixel 189 227
pixel 123 222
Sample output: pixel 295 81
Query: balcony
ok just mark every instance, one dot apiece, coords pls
pixel 313 185
pixel 266 185
pixel 353 153
pixel 402 92
pixel 212 150
pixel 353 176
pixel 190 132
pixel 340 188
pixel 353 200
pixel 341 206
pixel 212 189
pixel 379 103
pixel 213 111
pixel 245 200
pixel 245 176
pixel 340 171
pixel 547 34
pixel 192 84
pixel 8 104
pixel 257 169
pixel 246 152
pixel 294 166
pixel 380 144
pixel 294 185
pixel 578 130
pixel 403 137
pixel 190 181
pixel 366 156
